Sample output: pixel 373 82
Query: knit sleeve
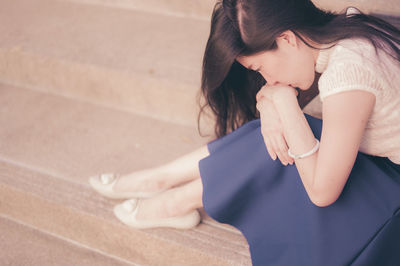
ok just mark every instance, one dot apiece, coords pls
pixel 347 76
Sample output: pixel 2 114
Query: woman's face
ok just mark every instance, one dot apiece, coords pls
pixel 291 64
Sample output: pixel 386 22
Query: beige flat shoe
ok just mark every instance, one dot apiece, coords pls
pixel 105 182
pixel 127 210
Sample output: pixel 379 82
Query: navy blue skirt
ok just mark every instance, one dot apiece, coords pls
pixel 267 202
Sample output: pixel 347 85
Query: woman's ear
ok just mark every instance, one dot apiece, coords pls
pixel 287 38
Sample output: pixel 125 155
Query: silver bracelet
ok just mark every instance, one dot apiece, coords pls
pixel 314 150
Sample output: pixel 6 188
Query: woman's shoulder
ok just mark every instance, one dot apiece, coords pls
pixel 357 51
pixel 353 64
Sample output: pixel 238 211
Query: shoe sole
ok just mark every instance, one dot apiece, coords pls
pixel 187 221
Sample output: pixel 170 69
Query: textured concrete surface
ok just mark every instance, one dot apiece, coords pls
pixel 74 139
pixel 131 60
pixel 200 9
pixel 52 144
pixel 23 245
pixel 203 8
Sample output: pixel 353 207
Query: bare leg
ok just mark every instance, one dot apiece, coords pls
pixel 176 172
pixel 174 202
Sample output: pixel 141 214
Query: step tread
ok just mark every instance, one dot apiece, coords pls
pixel 52 144
pixel 168 47
pixel 128 59
pixel 24 245
pixel 200 9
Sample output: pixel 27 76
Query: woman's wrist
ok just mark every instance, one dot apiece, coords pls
pixel 285 97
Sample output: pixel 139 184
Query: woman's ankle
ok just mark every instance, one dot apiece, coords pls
pixel 178 203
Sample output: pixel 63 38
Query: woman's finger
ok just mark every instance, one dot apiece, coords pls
pixel 282 158
pixel 281 149
pixel 269 148
pixel 275 147
pixel 284 149
pixel 261 103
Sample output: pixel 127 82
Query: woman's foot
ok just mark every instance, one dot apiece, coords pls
pixel 150 182
pixel 170 203
pixel 173 208
pixel 173 202
pixel 141 184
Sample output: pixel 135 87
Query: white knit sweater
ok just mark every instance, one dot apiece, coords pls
pixel 353 65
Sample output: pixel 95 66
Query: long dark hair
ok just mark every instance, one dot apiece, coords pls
pixel 246 27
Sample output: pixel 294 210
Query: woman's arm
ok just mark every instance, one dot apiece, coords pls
pixel 345 116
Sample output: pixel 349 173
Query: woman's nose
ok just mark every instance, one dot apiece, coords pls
pixel 272 82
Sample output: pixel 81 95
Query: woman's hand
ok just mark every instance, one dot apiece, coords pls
pixel 277 91
pixel 272 129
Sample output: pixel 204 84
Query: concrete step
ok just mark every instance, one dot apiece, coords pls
pixel 50 145
pixel 202 9
pixel 128 59
pixel 24 245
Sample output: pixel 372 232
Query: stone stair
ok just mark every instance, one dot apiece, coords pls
pixel 22 244
pixel 51 144
pixel 82 93
pixel 125 58
pixel 89 86
pixel 200 9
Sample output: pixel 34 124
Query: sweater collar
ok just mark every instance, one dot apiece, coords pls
pixel 323 59
pixel 324 54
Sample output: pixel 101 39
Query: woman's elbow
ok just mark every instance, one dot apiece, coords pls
pixel 322 203
pixel 324 199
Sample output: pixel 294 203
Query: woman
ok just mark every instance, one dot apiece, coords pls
pixel 333 197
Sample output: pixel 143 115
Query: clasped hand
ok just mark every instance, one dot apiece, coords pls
pixel 271 125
